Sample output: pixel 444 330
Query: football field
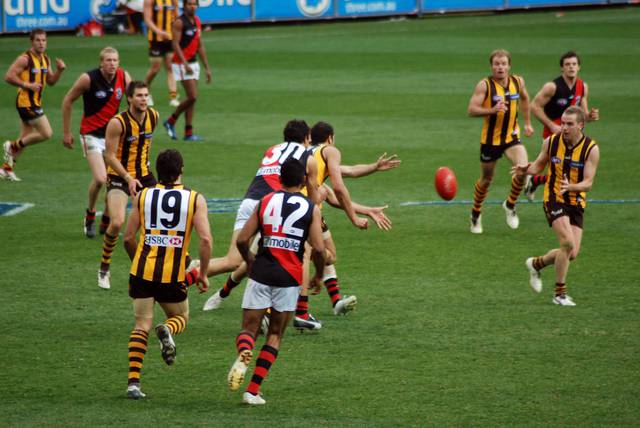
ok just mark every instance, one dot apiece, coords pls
pixel 447 331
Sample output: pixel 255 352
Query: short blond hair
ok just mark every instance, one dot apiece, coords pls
pixel 578 112
pixel 108 50
pixel 500 52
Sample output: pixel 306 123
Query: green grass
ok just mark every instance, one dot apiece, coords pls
pixel 447 332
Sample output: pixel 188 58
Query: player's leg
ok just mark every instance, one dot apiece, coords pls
pixel 341 305
pixel 171 81
pixel 155 64
pixel 480 192
pixel 532 184
pixel 563 230
pixel 117 201
pixel 93 152
pixel 177 314
pixel 138 343
pixel 303 320
pixel 191 89
pixel 517 154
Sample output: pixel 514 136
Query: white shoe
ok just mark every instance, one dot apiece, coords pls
pixel 239 369
pixel 8 153
pixel 255 400
pixel 8 174
pixel 512 218
pixel 134 392
pixel 563 300
pixel 150 102
pixel 264 323
pixel 195 264
pixel 344 305
pixel 174 102
pixel 309 324
pixel 475 226
pixel 213 302
pixel 534 276
pixel 529 190
pixel 103 280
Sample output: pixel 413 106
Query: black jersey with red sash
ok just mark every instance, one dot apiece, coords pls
pixel 561 100
pixel 285 220
pixel 267 177
pixel 190 39
pixel 101 102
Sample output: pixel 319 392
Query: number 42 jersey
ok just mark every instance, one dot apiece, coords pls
pixel 166 222
pixel 285 220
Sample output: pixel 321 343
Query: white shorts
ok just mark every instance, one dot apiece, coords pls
pixel 246 208
pixel 179 74
pixel 261 296
pixel 91 144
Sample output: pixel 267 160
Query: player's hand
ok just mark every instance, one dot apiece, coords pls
pixel 134 185
pixel 564 185
pixel 520 170
pixel 187 68
pixel 35 87
pixel 202 282
pixel 323 192
pixel 67 140
pixel 164 35
pixel 528 130
pixel 500 107
pixel 60 65
pixel 361 223
pixel 208 74
pixel 316 285
pixel 382 221
pixel 385 163
pixel 555 128
pixel 594 114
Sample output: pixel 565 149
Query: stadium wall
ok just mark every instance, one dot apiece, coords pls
pixel 63 15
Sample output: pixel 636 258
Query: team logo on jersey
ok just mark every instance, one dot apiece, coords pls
pixel 514 96
pixel 35 70
pixel 132 138
pixel 556 212
pixel 497 98
pixel 148 135
pixel 163 241
pixel 101 94
pixel 556 160
pixel 562 101
pixel 313 8
pixel 189 32
pixel 576 164
pixel 119 93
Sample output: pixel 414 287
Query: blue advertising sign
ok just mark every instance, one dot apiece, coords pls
pixel 542 3
pixel 25 15
pixel 451 5
pixel 293 9
pixel 211 11
pixel 376 7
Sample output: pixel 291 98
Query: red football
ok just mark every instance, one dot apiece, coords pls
pixel 446 183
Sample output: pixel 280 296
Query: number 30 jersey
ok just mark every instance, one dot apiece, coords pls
pixel 166 221
pixel 267 177
pixel 285 219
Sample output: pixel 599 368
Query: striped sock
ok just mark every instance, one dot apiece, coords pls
pixel 172 119
pixel 333 289
pixel 137 350
pixel 245 342
pixel 302 308
pixel 176 324
pixel 538 263
pixel 561 288
pixel 267 357
pixel 109 244
pixel 188 130
pixel 104 223
pixel 479 195
pixel 16 145
pixel 517 183
pixel 538 180
pixel 190 277
pixel 228 287
pixel 90 215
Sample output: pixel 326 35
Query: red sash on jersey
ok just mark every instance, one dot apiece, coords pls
pixel 110 109
pixel 191 49
pixel 577 97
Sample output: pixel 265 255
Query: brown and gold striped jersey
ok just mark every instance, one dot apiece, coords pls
pixel 36 72
pixel 163 13
pixel 135 141
pixel 166 222
pixel 566 162
pixel 501 128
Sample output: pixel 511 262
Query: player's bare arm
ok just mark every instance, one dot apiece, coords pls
pixel 147 13
pixel 133 224
pixel 525 107
pixel 201 224
pixel 176 29
pixel 112 140
pixel 12 76
pixel 589 174
pixel 384 163
pixel 476 109
pixel 52 78
pixel 80 86
pixel 203 57
pixel 541 99
pixel 375 213
pixel 594 113
pixel 537 166
pixel 243 242
pixel 127 79
pixel 333 158
pixel 318 252
pixel 311 181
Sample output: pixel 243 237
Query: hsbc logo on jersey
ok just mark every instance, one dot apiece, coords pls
pixel 281 243
pixel 163 241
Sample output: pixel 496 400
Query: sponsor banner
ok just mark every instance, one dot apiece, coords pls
pixel 354 8
pixel 211 11
pixel 25 15
pixel 281 243
pixel 542 3
pixel 452 5
pixel 164 241
pixel 293 9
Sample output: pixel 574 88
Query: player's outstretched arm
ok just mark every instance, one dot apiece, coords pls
pixel 82 85
pixel 384 163
pixel 375 213
pixel 133 224
pixel 342 193
pixel 537 166
pixel 201 224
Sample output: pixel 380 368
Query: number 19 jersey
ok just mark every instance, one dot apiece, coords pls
pixel 267 177
pixel 285 220
pixel 166 221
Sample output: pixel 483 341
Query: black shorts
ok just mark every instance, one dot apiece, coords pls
pixel 171 292
pixel 489 153
pixel 27 114
pixel 160 48
pixel 555 210
pixel 115 182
